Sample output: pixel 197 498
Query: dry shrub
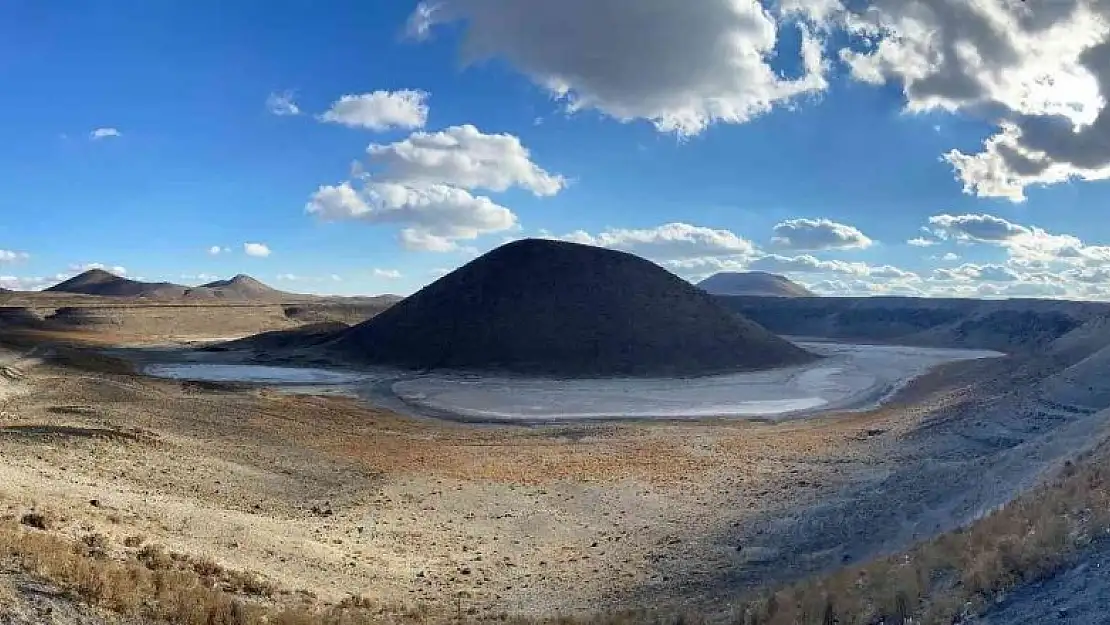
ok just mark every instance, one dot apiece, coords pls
pixel 39 519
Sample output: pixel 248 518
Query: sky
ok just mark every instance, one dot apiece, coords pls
pixel 906 147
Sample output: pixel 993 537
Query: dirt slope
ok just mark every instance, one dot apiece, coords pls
pixel 549 307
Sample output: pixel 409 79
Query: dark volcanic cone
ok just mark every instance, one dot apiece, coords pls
pixel 555 308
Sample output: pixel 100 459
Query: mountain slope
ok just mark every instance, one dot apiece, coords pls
pixel 753 283
pixel 550 307
pixel 100 282
pixel 241 287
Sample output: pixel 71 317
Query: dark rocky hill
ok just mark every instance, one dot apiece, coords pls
pixel 556 308
pixel 758 283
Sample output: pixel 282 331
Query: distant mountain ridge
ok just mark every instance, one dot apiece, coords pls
pixel 757 283
pixel 105 284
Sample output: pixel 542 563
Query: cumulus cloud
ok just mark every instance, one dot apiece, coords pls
pixel 380 110
pixel 104 133
pixel 818 234
pixel 20 283
pixel 436 215
pixel 977 227
pixel 806 263
pixel 973 272
pixel 282 104
pixel 8 256
pixel 216 250
pixel 1040 69
pixel 425 184
pixel 257 250
pixel 922 242
pixel 1024 244
pixel 387 274
pixel 670 241
pixel 462 156
pixel 681 66
pixel 83 267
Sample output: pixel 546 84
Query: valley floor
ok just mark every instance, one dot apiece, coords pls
pixel 326 498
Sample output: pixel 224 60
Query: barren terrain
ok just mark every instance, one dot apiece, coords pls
pixel 325 498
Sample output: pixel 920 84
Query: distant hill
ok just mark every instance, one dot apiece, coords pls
pixel 243 287
pixel 551 307
pixel 753 283
pixel 103 283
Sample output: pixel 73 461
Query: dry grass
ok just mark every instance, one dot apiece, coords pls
pixel 152 584
pixel 956 574
pixel 939 581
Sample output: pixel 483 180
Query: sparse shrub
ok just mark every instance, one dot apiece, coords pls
pixel 155 558
pixel 95 545
pixel 38 519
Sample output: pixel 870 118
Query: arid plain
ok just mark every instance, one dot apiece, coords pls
pixel 319 500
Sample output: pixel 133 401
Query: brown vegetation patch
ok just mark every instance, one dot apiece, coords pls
pixel 957 574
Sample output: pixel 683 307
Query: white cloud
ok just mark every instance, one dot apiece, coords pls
pixel 257 250
pixel 387 274
pixel 380 110
pixel 1024 244
pixel 818 234
pixel 976 227
pixel 282 104
pixel 465 157
pixel 8 256
pixel 1039 69
pixel 683 66
pixel 669 241
pixel 806 263
pixel 19 283
pixel 424 184
pixel 198 278
pixel 104 133
pixel 864 288
pixel 435 216
pixel 922 242
pixel 973 272
pixel 216 250
pixel 81 268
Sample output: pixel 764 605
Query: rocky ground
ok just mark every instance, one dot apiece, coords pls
pixel 331 497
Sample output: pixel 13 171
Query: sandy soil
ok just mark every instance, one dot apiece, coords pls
pixel 330 496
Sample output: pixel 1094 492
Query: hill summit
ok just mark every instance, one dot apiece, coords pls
pixel 106 284
pixel 554 308
pixel 100 282
pixel 242 287
pixel 758 283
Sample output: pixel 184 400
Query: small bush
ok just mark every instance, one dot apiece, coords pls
pixel 38 520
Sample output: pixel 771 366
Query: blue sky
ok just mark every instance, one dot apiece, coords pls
pixel 804 138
